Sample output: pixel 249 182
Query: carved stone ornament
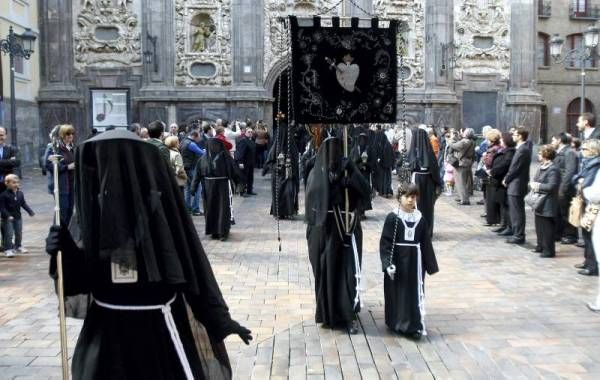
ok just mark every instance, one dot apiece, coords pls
pixel 411 35
pixel 203 40
pixel 276 37
pixel 482 38
pixel 410 12
pixel 106 34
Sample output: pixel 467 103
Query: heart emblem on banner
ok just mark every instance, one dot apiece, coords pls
pixel 347 75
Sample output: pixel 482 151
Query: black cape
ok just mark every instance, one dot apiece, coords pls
pixel 384 162
pixel 287 181
pixel 329 247
pixel 402 312
pixel 219 175
pixel 130 207
pixel 364 158
pixel 425 174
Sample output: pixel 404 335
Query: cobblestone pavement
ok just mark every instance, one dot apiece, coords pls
pixel 493 311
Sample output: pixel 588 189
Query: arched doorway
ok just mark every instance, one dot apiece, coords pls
pixel 573 111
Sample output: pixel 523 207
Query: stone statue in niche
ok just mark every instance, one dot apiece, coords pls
pixel 202 33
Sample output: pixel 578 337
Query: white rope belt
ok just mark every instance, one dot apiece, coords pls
pixel 171 326
pixel 358 275
pixel 229 185
pixel 420 287
pixel 215 177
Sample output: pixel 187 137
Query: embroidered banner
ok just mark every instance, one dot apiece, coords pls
pixel 344 74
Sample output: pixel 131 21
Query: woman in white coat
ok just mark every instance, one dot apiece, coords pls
pixel 592 195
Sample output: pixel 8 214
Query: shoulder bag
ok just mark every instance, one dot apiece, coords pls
pixel 535 200
pixel 576 211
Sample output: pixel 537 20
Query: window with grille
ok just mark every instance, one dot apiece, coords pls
pixel 543 50
pixel 575 41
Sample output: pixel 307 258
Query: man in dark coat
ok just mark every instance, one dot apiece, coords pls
pixel 140 258
pixel 567 162
pixel 334 238
pixel 500 165
pixel 282 160
pixel 219 175
pixel 425 174
pixel 9 162
pixel 516 181
pixel 156 129
pixel 245 155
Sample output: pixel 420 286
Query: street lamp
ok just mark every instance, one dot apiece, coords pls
pixel 150 55
pixel 591 35
pixel 16 45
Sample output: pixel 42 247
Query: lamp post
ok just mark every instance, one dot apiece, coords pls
pixel 16 45
pixel 591 36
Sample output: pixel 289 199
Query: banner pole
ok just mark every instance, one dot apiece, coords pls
pixel 347 196
pixel 64 353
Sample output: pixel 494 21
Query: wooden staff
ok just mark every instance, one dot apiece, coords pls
pixel 61 290
pixel 347 196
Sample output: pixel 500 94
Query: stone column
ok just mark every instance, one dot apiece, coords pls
pixel 159 21
pixel 58 97
pixel 523 102
pixel 248 42
pixel 56 47
pixel 440 98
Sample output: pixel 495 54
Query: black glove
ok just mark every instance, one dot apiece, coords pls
pixel 58 237
pixel 241 331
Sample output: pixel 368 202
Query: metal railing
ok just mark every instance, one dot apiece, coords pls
pixel 586 11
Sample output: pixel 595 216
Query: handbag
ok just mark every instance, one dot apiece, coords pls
pixel 576 211
pixel 589 216
pixel 535 200
pixel 452 160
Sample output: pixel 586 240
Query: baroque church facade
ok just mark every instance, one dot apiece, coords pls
pixel 113 62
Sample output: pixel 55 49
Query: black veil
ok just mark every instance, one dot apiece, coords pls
pixel 420 154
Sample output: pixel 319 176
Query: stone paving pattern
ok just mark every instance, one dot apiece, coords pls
pixel 494 311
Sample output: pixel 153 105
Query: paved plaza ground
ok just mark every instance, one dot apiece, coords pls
pixel 494 310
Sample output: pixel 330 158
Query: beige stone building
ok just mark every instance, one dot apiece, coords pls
pixel 560 83
pixel 21 14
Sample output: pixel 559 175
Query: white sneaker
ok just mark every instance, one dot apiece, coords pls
pixel 9 253
pixel 22 250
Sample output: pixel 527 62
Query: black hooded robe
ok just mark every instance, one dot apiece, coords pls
pixel 289 180
pixel 402 311
pixel 364 158
pixel 425 174
pixel 329 246
pixel 384 163
pixel 219 175
pixel 130 209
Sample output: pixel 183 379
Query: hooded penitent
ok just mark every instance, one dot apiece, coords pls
pixel 132 217
pixel 285 174
pixel 425 174
pixel 332 258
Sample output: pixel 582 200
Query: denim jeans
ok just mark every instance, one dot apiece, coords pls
pixel 10 228
pixel 67 203
pixel 192 204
